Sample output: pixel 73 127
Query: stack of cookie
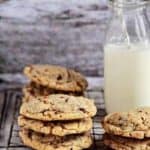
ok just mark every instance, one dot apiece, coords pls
pixel 58 122
pixel 128 130
pixel 49 120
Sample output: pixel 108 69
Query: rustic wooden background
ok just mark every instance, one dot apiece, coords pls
pixel 66 32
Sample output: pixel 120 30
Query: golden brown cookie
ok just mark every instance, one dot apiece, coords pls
pixel 49 142
pixel 59 107
pixel 56 77
pixel 120 143
pixel 56 128
pixel 33 90
pixel 134 124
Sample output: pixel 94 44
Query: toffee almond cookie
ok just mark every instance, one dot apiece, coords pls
pixel 56 128
pixel 49 142
pixel 33 90
pixel 120 143
pixel 58 107
pixel 56 77
pixel 134 124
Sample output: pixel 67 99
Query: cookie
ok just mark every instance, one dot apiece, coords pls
pixel 56 77
pixel 56 128
pixel 134 124
pixel 49 142
pixel 120 143
pixel 58 107
pixel 33 90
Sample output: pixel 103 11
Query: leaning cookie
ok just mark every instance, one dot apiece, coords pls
pixel 56 77
pixel 120 143
pixel 49 142
pixel 33 90
pixel 58 107
pixel 134 124
pixel 56 128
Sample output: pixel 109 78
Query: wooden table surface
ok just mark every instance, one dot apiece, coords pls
pixel 10 100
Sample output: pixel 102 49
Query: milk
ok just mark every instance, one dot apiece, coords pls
pixel 127 77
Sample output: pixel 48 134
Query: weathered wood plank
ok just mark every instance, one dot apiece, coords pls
pixel 64 32
pixel 7 119
pixel 98 96
pixel 15 140
pixel 95 83
pixel 1 105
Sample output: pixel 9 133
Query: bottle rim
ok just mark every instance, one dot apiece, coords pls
pixel 128 3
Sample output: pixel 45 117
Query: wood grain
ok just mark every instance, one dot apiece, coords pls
pixel 68 33
pixel 7 119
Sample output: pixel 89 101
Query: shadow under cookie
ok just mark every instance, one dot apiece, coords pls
pixel 50 142
pixel 122 143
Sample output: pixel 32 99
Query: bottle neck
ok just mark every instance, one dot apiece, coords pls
pixel 125 9
pixel 131 23
pixel 128 4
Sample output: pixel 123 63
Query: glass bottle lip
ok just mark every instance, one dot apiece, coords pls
pixel 128 3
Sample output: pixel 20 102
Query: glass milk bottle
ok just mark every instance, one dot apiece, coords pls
pixel 127 57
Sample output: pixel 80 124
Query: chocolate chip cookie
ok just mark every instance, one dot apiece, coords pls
pixel 49 142
pixel 56 77
pixel 56 128
pixel 120 143
pixel 134 124
pixel 58 107
pixel 33 90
